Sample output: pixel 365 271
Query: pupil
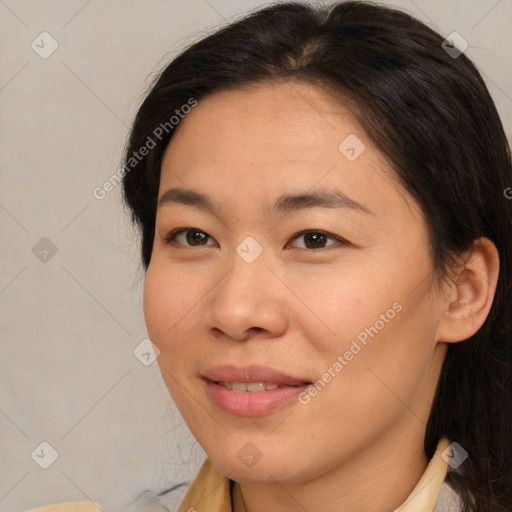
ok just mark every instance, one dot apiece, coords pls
pixel 195 236
pixel 316 238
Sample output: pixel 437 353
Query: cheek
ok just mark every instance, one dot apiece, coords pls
pixel 382 349
pixel 167 301
pixel 169 315
pixel 339 306
pixel 367 314
pixel 156 303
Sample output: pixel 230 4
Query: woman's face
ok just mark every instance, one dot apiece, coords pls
pixel 331 287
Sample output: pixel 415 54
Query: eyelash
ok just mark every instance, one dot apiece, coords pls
pixel 170 238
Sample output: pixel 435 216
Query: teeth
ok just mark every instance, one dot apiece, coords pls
pixel 251 387
pixel 255 386
pixel 238 386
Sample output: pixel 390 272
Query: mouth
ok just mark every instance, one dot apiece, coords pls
pixel 252 390
pixel 253 387
pixel 248 375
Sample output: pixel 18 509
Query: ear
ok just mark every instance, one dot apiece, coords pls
pixel 470 296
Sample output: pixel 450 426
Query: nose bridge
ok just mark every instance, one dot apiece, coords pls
pixel 248 273
pixel 246 298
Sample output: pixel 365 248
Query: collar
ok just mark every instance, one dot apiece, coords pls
pixel 211 490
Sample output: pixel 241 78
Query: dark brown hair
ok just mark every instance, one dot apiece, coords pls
pixel 432 116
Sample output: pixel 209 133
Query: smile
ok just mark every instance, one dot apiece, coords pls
pixel 249 403
pixel 251 390
pixel 251 387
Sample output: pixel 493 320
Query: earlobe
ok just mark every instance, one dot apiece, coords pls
pixel 470 297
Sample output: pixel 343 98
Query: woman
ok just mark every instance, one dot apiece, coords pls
pixel 328 251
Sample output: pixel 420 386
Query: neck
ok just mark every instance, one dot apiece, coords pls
pixel 377 480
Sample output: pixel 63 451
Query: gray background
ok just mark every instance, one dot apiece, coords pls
pixel 70 324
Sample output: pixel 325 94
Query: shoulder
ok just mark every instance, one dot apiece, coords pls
pixel 71 506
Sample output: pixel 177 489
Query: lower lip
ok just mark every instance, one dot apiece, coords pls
pixel 244 403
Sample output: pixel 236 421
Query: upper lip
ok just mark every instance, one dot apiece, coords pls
pixel 229 373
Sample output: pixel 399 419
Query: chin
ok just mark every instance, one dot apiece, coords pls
pixel 263 471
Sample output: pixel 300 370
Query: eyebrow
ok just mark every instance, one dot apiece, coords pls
pixel 286 203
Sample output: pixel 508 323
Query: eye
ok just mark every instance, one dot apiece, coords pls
pixel 314 239
pixel 194 237
pixel 188 236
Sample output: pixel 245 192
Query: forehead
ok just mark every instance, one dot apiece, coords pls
pixel 297 118
pixel 275 138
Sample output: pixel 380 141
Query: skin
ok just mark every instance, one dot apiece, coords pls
pixel 358 444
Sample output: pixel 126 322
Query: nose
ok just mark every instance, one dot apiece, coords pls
pixel 249 299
